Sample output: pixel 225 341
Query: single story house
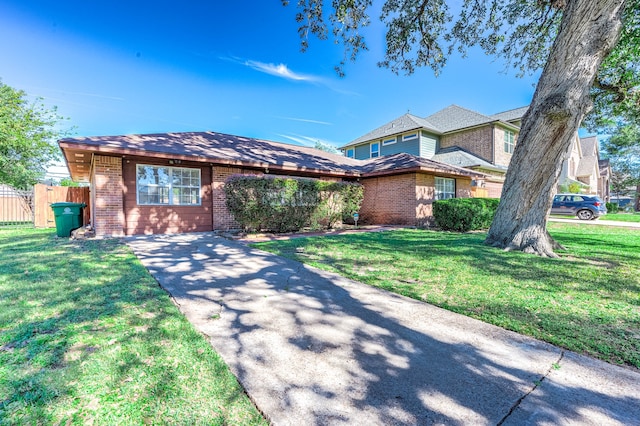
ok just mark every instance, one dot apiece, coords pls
pixel 173 182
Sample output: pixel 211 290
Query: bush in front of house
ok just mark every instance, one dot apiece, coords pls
pixel 283 204
pixel 464 214
pixel 612 208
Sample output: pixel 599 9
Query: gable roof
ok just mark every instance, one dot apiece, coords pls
pixel 589 145
pixel 401 124
pixel 511 115
pixel 455 117
pixel 586 166
pixel 450 119
pixel 457 156
pixel 223 149
pixel 406 162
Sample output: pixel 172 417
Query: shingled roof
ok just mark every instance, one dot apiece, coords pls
pixel 450 119
pixel 224 149
pixel 401 124
pixel 457 156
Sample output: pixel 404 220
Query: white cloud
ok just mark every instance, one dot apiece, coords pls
pixel 307 140
pixel 306 120
pixel 279 70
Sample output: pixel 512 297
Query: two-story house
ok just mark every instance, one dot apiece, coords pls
pixel 484 143
pixel 584 168
pixel 455 136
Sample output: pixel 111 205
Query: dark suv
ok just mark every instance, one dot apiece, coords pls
pixel 586 207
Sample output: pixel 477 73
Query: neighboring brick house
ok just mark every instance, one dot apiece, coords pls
pixel 173 182
pixel 483 143
pixel 584 168
pixel 455 136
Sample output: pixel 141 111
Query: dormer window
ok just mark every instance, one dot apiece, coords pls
pixel 409 137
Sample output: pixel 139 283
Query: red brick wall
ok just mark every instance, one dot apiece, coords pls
pixel 389 200
pixel 107 213
pixel 222 219
pixel 425 193
pixel 161 219
pixel 478 141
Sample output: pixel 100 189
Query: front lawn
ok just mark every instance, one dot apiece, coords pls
pixel 88 337
pixel 622 217
pixel 587 301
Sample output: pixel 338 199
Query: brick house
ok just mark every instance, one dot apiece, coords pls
pixel 484 143
pixel 455 135
pixel 584 168
pixel 173 182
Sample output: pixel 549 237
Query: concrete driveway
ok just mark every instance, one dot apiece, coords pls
pixel 314 348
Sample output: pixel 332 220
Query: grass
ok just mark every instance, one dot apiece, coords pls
pixel 88 337
pixel 587 301
pixel 622 217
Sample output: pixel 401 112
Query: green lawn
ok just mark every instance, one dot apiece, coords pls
pixel 587 301
pixel 622 217
pixel 88 337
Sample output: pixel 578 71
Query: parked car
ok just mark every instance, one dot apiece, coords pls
pixel 585 207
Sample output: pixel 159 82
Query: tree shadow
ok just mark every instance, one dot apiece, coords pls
pixel 313 347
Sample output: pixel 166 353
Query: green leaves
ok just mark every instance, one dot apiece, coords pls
pixel 27 135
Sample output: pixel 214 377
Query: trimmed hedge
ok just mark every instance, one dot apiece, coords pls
pixel 612 207
pixel 283 204
pixel 465 214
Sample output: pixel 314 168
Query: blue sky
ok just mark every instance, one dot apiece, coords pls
pixel 233 67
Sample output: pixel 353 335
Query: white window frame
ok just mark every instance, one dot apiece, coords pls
pixel 376 152
pixel 445 188
pixel 409 137
pixel 509 141
pixel 173 199
pixel 352 151
pixel 389 141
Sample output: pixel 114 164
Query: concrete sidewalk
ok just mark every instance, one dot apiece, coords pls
pixel 314 348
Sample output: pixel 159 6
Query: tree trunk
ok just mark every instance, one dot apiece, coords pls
pixel 588 31
pixel 637 206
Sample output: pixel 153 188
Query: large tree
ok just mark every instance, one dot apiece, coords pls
pixel 28 131
pixel 623 150
pixel 568 39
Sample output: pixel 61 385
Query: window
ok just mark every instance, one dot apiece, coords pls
pixel 167 185
pixel 350 153
pixel 410 137
pixel 388 141
pixel 509 141
pixel 445 188
pixel 375 150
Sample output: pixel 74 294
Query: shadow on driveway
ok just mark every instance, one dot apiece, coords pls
pixel 314 348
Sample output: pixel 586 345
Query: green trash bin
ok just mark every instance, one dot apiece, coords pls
pixel 68 217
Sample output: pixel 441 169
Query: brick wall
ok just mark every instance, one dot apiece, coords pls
pixel 478 141
pixel 222 219
pixel 107 210
pixel 389 200
pixel 463 188
pixel 425 194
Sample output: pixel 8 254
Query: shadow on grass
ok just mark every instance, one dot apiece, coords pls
pixel 82 324
pixel 297 335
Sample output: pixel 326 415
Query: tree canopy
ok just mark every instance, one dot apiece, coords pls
pixel 587 50
pixel 623 150
pixel 27 135
pixel 424 33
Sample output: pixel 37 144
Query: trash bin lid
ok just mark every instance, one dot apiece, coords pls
pixel 68 204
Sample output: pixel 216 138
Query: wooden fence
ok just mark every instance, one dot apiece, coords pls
pixel 45 195
pixel 16 207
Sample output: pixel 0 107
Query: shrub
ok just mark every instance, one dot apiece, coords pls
pixel 464 214
pixel 283 204
pixel 612 207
